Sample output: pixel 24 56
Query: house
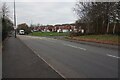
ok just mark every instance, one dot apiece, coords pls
pixel 56 28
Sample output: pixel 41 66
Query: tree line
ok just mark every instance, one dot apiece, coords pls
pixel 7 24
pixel 98 17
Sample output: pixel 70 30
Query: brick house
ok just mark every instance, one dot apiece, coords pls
pixel 56 28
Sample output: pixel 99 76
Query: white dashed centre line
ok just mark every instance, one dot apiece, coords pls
pixel 113 56
pixel 75 47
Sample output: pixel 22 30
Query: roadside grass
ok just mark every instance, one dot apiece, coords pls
pixel 113 38
pixel 48 34
pixel 109 39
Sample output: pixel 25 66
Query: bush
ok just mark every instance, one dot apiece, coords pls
pixel 7 27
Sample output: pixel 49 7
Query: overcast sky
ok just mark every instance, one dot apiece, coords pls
pixel 43 12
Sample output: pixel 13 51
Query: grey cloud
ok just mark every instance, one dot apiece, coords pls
pixel 44 12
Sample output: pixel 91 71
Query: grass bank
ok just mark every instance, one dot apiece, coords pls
pixel 48 34
pixel 107 39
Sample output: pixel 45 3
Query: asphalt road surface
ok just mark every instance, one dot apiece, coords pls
pixel 19 61
pixel 73 60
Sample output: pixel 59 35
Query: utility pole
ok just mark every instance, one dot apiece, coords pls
pixel 14 19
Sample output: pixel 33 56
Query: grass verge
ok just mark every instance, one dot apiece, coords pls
pixel 106 39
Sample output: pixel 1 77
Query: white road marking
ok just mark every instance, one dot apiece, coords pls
pixel 113 56
pixel 74 46
pixel 47 63
pixel 54 40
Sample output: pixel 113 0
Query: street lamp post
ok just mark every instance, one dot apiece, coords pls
pixel 14 19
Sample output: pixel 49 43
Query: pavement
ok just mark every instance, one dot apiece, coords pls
pixel 19 61
pixel 75 60
pixel 0 60
pixel 0 49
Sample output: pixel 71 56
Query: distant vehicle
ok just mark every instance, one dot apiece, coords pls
pixel 21 32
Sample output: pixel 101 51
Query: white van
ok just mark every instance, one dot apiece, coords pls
pixel 21 32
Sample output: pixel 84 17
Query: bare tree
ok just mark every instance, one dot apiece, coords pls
pixel 99 15
pixel 5 10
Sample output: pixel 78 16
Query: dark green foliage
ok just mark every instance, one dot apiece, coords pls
pixel 7 24
pixel 7 27
pixel 25 27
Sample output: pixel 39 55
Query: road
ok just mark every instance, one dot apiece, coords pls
pixel 19 61
pixel 73 60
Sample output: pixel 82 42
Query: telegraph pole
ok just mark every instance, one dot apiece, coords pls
pixel 14 19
